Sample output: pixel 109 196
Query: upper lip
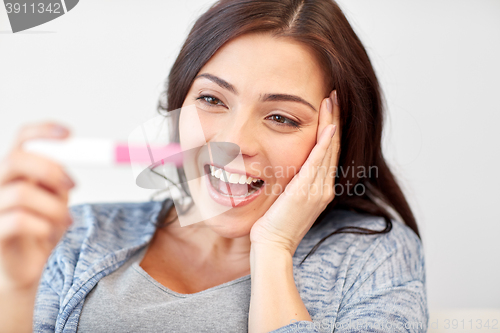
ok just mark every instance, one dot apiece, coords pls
pixel 231 170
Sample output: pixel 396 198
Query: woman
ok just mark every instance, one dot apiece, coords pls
pixel 290 84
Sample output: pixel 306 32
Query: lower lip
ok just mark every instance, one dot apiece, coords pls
pixel 230 201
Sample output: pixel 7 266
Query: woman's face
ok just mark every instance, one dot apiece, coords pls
pixel 262 94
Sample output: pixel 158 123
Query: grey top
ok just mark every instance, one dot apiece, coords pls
pixel 129 300
pixel 352 283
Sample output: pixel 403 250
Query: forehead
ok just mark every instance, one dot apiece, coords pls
pixel 261 63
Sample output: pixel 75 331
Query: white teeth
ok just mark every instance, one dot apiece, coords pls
pixel 232 178
pixel 225 176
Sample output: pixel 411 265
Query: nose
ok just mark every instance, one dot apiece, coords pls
pixel 240 130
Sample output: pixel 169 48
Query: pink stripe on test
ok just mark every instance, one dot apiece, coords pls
pixel 141 154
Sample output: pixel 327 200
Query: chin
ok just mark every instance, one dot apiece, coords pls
pixel 230 228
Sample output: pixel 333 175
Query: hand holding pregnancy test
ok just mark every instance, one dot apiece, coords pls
pixel 209 169
pixel 103 152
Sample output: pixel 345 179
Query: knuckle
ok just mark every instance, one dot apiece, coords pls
pixel 328 195
pixel 19 193
pixel 10 165
pixel 16 221
pixel 325 200
pixel 46 172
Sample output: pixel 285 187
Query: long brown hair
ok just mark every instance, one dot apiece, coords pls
pixel 321 26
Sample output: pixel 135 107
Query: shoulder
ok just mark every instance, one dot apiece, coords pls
pixel 375 278
pixel 112 225
pixel 88 213
pixel 111 219
pixel 396 255
pixel 102 236
pixel 99 230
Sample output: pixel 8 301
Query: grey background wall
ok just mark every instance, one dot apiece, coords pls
pixel 100 68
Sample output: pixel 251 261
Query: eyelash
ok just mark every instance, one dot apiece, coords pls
pixel 291 123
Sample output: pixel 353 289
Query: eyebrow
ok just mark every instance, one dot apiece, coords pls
pixel 267 97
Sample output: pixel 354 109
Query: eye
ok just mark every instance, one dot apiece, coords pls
pixel 210 101
pixel 283 121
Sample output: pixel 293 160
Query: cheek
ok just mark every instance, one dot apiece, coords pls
pixel 293 154
pixel 192 129
pixel 198 126
pixel 210 124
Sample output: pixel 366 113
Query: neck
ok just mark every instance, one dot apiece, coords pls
pixel 201 240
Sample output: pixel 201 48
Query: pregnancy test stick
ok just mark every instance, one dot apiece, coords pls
pixel 103 152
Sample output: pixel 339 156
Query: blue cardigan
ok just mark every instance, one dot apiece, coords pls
pixel 352 283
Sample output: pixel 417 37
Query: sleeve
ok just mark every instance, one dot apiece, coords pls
pixel 390 295
pixel 385 290
pixel 51 285
pixel 399 308
pixel 46 308
pixel 394 309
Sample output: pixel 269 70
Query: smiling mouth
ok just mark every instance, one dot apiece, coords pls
pixel 232 184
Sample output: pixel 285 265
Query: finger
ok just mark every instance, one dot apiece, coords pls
pixel 29 197
pixel 310 167
pixel 325 116
pixel 334 149
pixel 336 144
pixel 22 165
pixel 17 223
pixel 317 154
pixel 326 163
pixel 48 130
pixel 307 173
pixel 325 177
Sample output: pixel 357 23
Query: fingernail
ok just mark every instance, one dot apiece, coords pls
pixel 59 131
pixel 68 182
pixel 334 130
pixel 335 97
pixel 329 105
